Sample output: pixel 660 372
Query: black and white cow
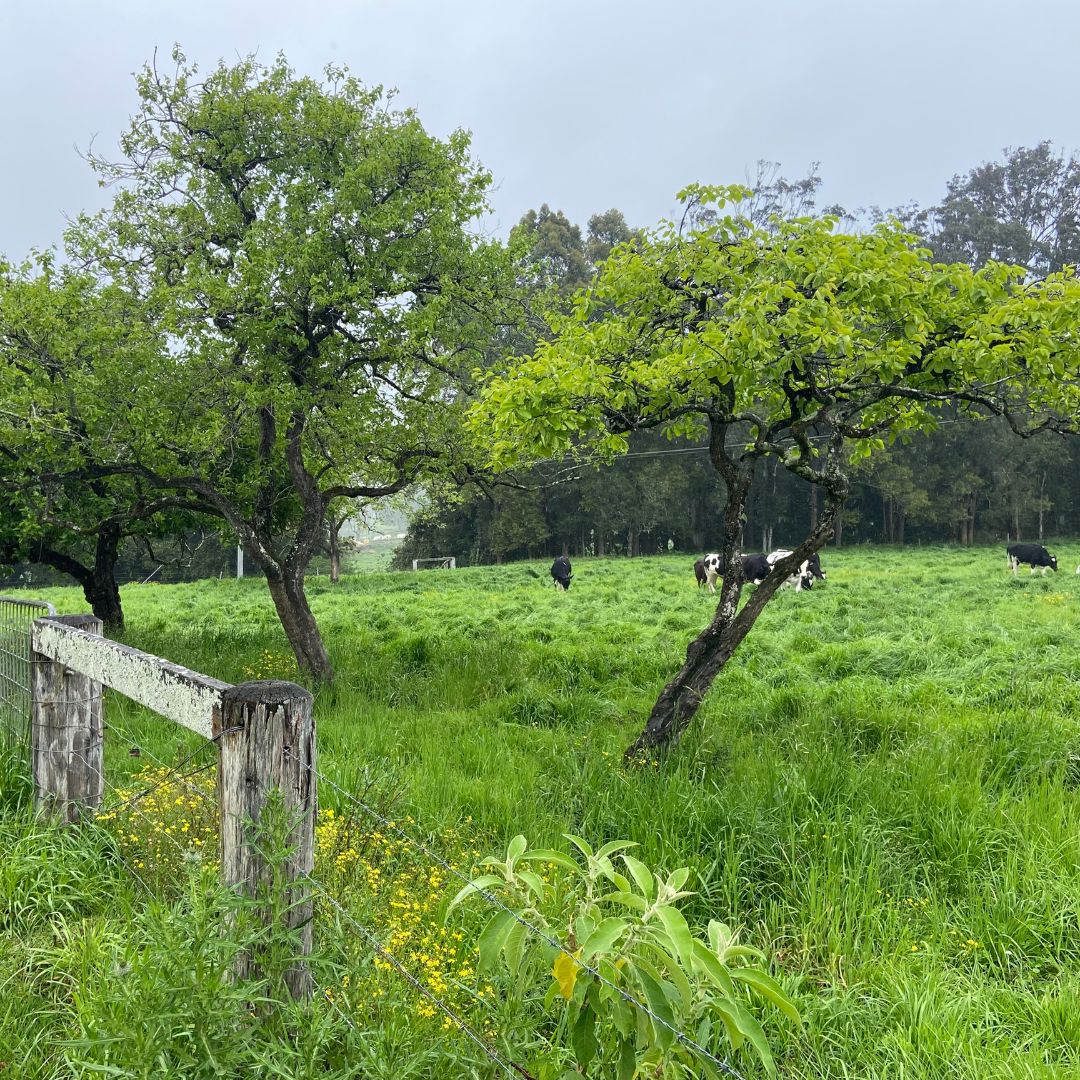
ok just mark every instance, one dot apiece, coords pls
pixel 804 574
pixel 755 568
pixel 560 571
pixel 1034 555
pixel 707 570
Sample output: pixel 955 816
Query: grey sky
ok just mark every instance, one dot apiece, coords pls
pixel 581 105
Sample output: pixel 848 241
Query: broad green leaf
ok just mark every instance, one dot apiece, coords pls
pixel 514 851
pixel 630 900
pixel 549 856
pixel 583 1037
pixel 769 989
pixel 613 846
pixel 748 1027
pixel 536 886
pixel 627 1060
pixel 582 845
pixel 473 889
pixel 514 947
pixel 603 937
pixel 656 999
pixel 679 932
pixel 678 878
pixel 641 874
pixel 667 961
pixel 492 938
pixel 706 960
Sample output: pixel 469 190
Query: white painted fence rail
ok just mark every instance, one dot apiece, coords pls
pixel 264 733
pixel 172 691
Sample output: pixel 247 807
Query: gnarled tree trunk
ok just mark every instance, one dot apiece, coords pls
pixel 714 646
pixel 98 580
pixel 290 600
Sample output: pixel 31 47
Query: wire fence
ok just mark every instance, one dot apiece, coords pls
pixel 16 620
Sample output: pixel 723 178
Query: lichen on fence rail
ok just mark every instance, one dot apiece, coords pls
pixel 173 691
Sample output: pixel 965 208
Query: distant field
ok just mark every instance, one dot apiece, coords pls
pixel 882 789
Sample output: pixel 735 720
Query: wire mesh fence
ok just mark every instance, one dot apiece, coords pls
pixel 16 619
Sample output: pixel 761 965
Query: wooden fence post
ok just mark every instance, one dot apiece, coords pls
pixel 66 744
pixel 267 742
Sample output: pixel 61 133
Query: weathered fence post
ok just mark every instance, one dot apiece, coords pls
pixel 66 744
pixel 267 742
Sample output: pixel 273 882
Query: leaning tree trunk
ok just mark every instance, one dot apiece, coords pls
pixel 714 646
pixel 287 591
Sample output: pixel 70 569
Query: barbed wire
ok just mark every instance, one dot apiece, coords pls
pixel 174 773
pixel 543 935
pixel 511 1067
pixel 172 770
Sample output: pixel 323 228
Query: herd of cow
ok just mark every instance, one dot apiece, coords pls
pixel 756 568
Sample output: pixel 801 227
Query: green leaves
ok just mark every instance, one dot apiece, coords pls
pixel 625 984
pixel 789 327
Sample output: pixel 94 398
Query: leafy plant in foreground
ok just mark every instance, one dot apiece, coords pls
pixel 623 944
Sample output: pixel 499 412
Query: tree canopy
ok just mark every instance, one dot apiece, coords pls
pixel 791 341
pixel 306 249
pixel 66 346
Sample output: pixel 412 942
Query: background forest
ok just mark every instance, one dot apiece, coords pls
pixel 967 482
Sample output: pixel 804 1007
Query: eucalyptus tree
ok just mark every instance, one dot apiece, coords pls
pixel 311 253
pixel 1023 209
pixel 790 341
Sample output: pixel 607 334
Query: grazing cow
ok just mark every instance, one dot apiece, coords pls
pixel 707 570
pixel 1035 555
pixel 560 571
pixel 702 577
pixel 755 568
pixel 804 574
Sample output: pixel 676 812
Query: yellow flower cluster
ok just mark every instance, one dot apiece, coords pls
pixel 271 665
pixel 398 894
pixel 160 818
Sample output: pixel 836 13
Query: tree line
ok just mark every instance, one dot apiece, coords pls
pixel 968 481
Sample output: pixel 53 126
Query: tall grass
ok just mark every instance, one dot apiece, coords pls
pixel 881 788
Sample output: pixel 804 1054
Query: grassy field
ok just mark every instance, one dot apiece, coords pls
pixel 882 790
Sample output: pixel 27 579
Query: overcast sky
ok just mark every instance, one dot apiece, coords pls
pixel 581 105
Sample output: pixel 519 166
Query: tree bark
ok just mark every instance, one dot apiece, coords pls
pixel 99 580
pixel 102 592
pixel 335 550
pixel 290 600
pixel 714 646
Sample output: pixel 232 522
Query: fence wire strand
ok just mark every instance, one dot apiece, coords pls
pixel 512 1068
pixel 491 898
pixel 12 664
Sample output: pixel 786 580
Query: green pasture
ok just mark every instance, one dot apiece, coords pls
pixel 882 789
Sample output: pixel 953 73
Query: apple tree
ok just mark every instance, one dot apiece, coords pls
pixel 789 341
